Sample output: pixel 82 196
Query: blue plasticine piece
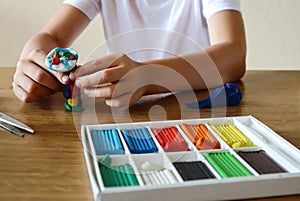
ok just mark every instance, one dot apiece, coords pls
pixel 67 92
pixel 107 142
pixel 139 141
pixel 227 95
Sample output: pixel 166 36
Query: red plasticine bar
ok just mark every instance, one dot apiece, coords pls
pixel 170 139
pixel 200 136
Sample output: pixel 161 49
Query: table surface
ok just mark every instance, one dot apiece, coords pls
pixel 50 164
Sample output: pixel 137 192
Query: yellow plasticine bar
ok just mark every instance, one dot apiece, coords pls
pixel 239 133
pixel 246 142
pixel 222 134
pixel 232 136
pixel 235 138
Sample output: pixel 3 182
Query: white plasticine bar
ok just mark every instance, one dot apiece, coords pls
pixel 146 179
pixel 157 177
pixel 150 163
pixel 152 178
pixel 163 176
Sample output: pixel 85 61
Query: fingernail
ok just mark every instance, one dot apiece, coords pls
pixel 87 92
pixel 78 82
pixel 65 78
pixel 72 76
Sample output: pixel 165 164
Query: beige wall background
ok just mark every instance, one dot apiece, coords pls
pixel 272 26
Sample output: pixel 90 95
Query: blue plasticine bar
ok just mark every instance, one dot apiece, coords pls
pixel 107 142
pixel 139 141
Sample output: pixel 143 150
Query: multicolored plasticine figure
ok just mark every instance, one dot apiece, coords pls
pixel 64 60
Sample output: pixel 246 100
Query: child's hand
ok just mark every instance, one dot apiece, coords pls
pixel 32 80
pixel 103 78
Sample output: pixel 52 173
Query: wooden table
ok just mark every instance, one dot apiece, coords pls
pixel 50 164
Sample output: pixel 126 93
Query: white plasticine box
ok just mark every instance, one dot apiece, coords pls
pixel 281 151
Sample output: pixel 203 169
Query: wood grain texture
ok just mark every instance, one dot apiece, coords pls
pixel 50 164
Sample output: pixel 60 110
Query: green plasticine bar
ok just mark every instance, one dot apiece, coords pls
pixel 216 166
pixel 130 175
pixel 232 168
pixel 119 176
pixel 245 171
pixel 227 165
pixel 114 176
pixel 106 176
pixel 123 175
pixel 109 173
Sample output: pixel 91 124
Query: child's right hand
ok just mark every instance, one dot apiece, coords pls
pixel 32 79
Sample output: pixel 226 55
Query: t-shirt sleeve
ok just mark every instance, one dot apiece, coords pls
pixel 210 7
pixel 89 7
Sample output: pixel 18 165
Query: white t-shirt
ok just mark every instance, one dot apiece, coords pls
pixel 151 29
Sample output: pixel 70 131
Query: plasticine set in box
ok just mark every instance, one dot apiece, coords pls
pixel 198 159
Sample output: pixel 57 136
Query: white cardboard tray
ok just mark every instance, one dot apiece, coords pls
pixel 254 186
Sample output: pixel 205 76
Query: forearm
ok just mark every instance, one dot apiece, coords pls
pixel 212 67
pixel 222 62
pixel 40 42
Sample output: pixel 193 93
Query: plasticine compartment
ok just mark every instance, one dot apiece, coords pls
pixel 106 141
pixel 156 169
pixel 192 166
pixel 200 135
pixel 139 140
pixel 117 172
pixel 228 164
pixel 171 139
pixel 261 161
pixel 166 174
pixel 232 135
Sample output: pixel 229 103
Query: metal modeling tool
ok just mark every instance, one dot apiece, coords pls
pixel 10 124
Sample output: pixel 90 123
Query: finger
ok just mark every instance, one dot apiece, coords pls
pixel 38 75
pixel 23 95
pixel 38 57
pixel 109 75
pixel 98 64
pixel 100 92
pixel 125 100
pixel 31 87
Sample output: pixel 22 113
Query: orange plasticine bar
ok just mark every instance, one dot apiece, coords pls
pixel 200 136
